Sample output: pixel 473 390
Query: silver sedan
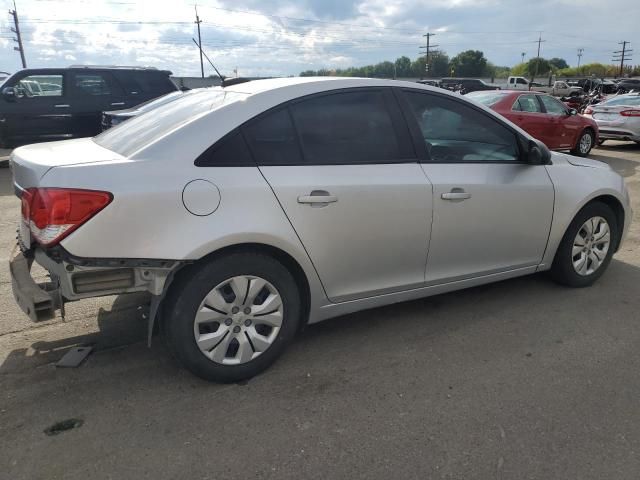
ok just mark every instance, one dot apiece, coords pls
pixel 618 118
pixel 251 210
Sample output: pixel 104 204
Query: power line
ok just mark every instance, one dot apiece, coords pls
pixel 580 50
pixel 428 48
pixel 198 22
pixel 622 55
pixel 18 39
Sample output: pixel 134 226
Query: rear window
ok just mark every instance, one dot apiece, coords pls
pixel 487 98
pixel 131 136
pixel 632 101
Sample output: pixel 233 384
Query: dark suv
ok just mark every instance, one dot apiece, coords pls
pixel 468 84
pixel 57 103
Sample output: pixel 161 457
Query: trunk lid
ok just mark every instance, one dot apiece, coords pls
pixel 31 162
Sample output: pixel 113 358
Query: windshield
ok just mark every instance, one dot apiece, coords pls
pixel 487 98
pixel 130 136
pixel 626 100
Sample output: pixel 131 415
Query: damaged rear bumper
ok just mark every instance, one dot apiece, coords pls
pixel 74 278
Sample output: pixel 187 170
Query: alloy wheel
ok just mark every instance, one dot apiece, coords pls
pixel 590 246
pixel 238 320
pixel 585 143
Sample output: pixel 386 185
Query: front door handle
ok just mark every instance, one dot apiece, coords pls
pixel 117 104
pixel 62 105
pixel 456 194
pixel 318 198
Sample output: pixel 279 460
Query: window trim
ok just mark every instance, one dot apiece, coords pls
pixel 397 121
pixel 419 140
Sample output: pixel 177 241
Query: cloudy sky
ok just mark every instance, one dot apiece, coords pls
pixel 284 37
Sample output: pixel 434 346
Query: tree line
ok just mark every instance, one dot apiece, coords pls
pixel 470 63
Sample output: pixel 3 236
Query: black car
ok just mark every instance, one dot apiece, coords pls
pixel 115 117
pixel 630 84
pixel 467 84
pixel 58 103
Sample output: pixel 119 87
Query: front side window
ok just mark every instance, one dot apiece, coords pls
pixel 39 86
pixel 553 106
pixel 527 103
pixel 455 132
pixel 92 84
pixel 346 128
pixel 521 81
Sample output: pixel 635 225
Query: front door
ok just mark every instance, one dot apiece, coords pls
pixel 491 212
pixel 40 111
pixel 563 128
pixel 343 168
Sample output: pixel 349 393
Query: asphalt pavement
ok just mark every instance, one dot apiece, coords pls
pixel 522 379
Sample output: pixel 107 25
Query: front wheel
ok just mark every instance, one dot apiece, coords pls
pixel 587 246
pixel 585 144
pixel 229 319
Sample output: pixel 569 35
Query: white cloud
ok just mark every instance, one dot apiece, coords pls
pixel 267 37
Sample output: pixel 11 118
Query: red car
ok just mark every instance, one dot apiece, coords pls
pixel 544 117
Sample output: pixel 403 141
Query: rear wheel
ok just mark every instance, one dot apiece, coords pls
pixel 231 318
pixel 585 143
pixel 587 246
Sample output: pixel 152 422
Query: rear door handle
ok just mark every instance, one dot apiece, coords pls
pixel 456 194
pixel 318 198
pixel 117 104
pixel 62 105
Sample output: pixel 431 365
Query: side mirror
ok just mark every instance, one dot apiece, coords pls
pixel 538 153
pixel 9 94
pixel 572 112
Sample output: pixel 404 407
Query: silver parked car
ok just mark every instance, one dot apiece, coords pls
pixel 618 118
pixel 250 211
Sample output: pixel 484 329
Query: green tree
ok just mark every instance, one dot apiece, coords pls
pixel 538 67
pixel 403 67
pixel 470 63
pixel 519 70
pixel 559 63
pixel 439 64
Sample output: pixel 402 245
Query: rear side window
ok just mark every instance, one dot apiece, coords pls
pixel 455 132
pixel 346 128
pixel 92 84
pixel 230 151
pixel 272 139
pixel 527 103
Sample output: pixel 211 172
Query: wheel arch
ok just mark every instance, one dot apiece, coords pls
pixel 285 258
pixel 614 204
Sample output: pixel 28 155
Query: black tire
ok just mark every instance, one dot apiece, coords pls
pixel 562 270
pixel 189 290
pixel 577 150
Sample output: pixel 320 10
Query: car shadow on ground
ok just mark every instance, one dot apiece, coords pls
pixel 125 323
pixel 527 304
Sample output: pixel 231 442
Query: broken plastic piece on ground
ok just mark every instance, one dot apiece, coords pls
pixel 74 357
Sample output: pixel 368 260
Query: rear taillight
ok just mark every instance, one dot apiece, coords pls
pixel 53 213
pixel 630 113
pixel 588 111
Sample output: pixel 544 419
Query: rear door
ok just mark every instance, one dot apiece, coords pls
pixel 342 166
pixel 491 212
pixel 41 109
pixel 92 92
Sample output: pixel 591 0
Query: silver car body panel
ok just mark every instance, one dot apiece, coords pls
pixel 369 247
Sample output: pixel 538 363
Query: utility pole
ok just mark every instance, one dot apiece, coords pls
pixel 428 48
pixel 540 41
pixel 18 39
pixel 198 22
pixel 580 50
pixel 523 55
pixel 623 55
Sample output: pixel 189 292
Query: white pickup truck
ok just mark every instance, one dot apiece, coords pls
pixel 559 88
